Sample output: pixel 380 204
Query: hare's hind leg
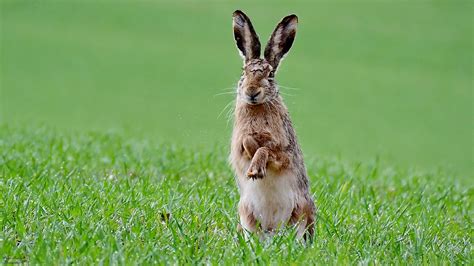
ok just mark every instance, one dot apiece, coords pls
pixel 309 230
pixel 303 217
pixel 247 219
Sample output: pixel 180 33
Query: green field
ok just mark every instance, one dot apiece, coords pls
pixel 100 198
pixel 115 114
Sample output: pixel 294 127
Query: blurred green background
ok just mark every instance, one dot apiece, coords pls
pixel 373 78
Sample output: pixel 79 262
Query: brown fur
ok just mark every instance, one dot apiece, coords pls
pixel 247 214
pixel 282 153
pixel 304 214
pixel 264 143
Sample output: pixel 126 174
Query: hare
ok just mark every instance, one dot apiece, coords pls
pixel 265 155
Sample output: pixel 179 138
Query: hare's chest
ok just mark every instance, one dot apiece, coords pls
pixel 265 129
pixel 270 123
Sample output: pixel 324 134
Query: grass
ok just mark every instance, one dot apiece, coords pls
pixel 388 78
pixel 112 149
pixel 92 198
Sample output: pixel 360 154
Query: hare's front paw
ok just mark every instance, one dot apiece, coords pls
pixel 256 172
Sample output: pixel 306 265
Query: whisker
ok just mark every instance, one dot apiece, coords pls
pixel 230 113
pixel 289 88
pixel 225 93
pixel 287 94
pixel 224 109
pixel 227 89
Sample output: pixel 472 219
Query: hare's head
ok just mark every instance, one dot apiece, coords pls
pixel 257 85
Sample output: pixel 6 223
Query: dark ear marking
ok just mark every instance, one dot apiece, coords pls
pixel 281 40
pixel 245 36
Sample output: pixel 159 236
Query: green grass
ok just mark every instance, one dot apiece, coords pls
pixel 388 78
pixel 92 198
pixel 109 121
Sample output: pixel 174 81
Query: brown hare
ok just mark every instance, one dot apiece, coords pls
pixel 265 154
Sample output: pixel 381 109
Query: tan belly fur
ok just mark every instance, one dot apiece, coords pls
pixel 271 199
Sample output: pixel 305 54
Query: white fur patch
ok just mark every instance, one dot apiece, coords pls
pixel 272 199
pixel 276 40
pixel 248 41
pixel 278 35
pixel 247 36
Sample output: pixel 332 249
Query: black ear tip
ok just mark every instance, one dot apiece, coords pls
pixel 290 18
pixel 238 13
pixel 239 18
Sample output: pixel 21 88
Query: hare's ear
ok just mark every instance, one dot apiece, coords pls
pixel 245 36
pixel 281 40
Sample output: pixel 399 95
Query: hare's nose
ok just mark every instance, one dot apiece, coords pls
pixel 253 96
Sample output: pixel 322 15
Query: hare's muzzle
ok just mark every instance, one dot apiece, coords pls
pixel 253 95
pixel 253 98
